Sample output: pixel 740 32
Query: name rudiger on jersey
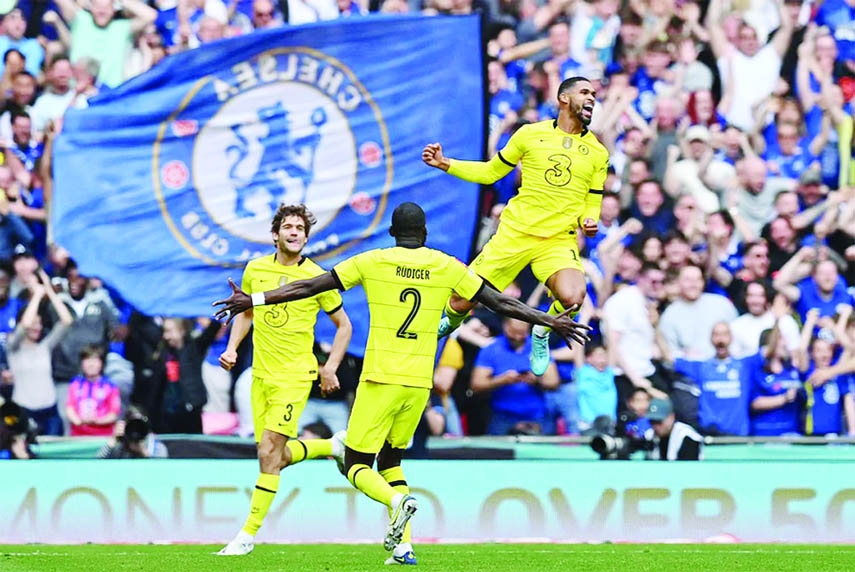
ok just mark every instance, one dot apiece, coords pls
pixel 290 125
pixel 414 273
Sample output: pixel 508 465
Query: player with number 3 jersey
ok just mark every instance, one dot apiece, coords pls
pixel 406 288
pixel 564 169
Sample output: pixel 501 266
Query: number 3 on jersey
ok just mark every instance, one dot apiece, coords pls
pixel 559 174
pixel 416 296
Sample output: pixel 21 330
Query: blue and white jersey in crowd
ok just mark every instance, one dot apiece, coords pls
pixel 791 166
pixel 648 90
pixel 782 420
pixel 839 17
pixel 824 405
pixel 725 389
pixel 812 298
pixel 501 103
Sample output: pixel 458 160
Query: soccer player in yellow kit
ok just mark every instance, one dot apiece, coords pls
pixel 406 288
pixel 284 367
pixel 564 169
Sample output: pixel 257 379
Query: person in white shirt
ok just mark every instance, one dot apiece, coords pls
pixel 630 335
pixel 687 323
pixel 746 329
pixel 748 58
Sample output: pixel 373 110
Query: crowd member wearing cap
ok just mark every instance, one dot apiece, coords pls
pixel 677 440
pixel 698 172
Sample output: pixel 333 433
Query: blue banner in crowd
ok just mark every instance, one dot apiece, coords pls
pixel 166 186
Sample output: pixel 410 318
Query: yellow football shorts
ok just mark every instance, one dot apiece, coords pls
pixel 277 406
pixel 509 251
pixel 384 412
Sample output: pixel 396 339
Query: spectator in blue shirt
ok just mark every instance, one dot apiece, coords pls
pixel 839 17
pixel 597 393
pixel 14 26
pixel 516 394
pixel 724 384
pixel 777 397
pixel 824 289
pixel 826 398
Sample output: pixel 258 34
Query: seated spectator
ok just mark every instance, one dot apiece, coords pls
pixel 516 394
pixel 94 403
pixel 29 349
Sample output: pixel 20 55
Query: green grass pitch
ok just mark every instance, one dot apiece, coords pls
pixel 438 557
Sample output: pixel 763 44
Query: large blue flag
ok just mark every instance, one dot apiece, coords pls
pixel 166 186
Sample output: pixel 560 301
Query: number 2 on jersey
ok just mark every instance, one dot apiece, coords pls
pixel 417 302
pixel 559 174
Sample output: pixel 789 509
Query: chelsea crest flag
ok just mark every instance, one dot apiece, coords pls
pixel 166 186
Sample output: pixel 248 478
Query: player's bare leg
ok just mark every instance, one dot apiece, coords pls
pixel 456 310
pixel 273 455
pixel 568 288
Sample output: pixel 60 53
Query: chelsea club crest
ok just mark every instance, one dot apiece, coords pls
pixel 290 125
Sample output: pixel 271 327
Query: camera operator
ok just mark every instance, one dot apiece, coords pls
pixel 677 441
pixel 16 434
pixel 133 439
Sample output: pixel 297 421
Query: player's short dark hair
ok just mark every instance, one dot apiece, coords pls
pixel 407 218
pixel 293 210
pixel 24 73
pixel 568 83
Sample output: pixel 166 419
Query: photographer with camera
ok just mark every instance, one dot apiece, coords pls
pixel 632 432
pixel 16 435
pixel 133 439
pixel 677 440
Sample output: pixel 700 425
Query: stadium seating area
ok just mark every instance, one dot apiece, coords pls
pixel 722 276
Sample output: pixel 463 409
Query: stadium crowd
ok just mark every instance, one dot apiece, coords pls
pixel 721 277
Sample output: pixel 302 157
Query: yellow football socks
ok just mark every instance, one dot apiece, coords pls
pixel 308 449
pixel 371 483
pixel 265 489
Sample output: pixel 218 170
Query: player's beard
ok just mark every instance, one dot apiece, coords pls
pixel 580 114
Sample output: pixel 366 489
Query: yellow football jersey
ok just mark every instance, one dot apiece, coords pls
pixel 406 290
pixel 559 171
pixel 283 334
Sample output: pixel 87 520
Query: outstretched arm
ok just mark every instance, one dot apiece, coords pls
pixel 482 172
pixel 240 301
pixel 568 329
